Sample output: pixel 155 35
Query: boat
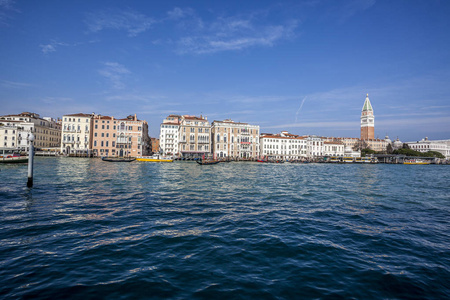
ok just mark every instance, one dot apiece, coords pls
pixel 154 158
pixel 207 161
pixel 119 159
pixel 9 156
pixel 278 161
pixel 366 160
pixel 347 160
pixel 416 162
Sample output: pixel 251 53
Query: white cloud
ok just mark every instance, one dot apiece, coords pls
pixel 130 21
pixel 47 48
pixel 115 73
pixel 6 7
pixel 231 34
pixel 14 85
pixel 179 13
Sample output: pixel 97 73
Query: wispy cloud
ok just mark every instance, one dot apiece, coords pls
pixel 115 73
pixel 54 45
pixel 235 33
pixel 6 8
pixel 14 85
pixel 56 100
pixel 51 47
pixel 180 13
pixel 352 7
pixel 130 21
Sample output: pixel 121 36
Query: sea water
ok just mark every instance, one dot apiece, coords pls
pixel 94 229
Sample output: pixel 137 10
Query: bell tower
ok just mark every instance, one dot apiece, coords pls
pixel 367 121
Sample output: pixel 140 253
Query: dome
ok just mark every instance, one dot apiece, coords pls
pixel 387 140
pixel 398 144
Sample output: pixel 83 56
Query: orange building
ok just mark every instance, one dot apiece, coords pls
pixel 120 137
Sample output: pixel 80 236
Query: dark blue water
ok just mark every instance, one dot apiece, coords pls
pixel 92 229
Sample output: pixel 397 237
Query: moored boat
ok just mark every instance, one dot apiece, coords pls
pixel 154 158
pixel 416 162
pixel 9 156
pixel 208 161
pixel 119 159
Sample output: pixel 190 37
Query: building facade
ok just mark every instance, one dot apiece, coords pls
pixel 194 137
pixel 284 146
pixel 235 140
pixel 132 137
pixel 333 148
pixel 154 145
pixel 120 137
pixel 16 129
pixel 169 136
pixel 77 134
pixel 104 138
pixel 425 145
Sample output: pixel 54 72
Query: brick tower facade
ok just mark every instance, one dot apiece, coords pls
pixel 367 121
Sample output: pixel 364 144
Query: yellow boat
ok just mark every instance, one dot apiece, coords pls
pixel 416 162
pixel 154 158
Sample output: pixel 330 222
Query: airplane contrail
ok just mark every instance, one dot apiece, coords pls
pixel 299 109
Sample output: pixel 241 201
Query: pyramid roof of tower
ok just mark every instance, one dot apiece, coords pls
pixel 367 106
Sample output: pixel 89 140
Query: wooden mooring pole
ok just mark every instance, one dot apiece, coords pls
pixel 30 162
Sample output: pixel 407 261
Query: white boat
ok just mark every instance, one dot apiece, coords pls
pixel 10 156
pixel 416 161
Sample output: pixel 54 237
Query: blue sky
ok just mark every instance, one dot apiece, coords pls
pixel 301 66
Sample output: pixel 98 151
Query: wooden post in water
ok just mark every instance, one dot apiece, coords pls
pixel 30 162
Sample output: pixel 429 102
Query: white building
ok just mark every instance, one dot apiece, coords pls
pixel 15 130
pixel 77 134
pixel 284 146
pixel 333 148
pixel 169 136
pixel 314 146
pixel 235 139
pixel 425 145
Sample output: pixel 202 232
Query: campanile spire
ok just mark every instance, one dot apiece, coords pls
pixel 367 121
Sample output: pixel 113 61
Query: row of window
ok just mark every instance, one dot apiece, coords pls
pixel 74 120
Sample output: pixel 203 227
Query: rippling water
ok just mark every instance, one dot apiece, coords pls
pixel 92 229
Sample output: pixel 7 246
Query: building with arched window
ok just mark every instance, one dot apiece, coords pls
pixel 235 140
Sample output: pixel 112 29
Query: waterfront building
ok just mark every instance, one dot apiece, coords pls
pixel 169 136
pixel 350 152
pixel 77 134
pixel 346 141
pixel 132 137
pixel 16 129
pixel 235 140
pixel 314 146
pixel 194 137
pixel 333 148
pixel 104 130
pixel 425 145
pixel 284 146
